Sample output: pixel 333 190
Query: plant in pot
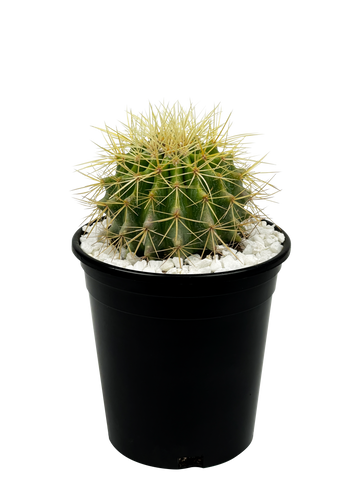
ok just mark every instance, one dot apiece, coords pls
pixel 180 264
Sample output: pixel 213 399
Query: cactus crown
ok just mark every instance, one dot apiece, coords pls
pixel 171 185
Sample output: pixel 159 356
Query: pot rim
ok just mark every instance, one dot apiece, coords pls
pixel 283 257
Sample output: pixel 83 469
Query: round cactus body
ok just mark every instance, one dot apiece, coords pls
pixel 172 186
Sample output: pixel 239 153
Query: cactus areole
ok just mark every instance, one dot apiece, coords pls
pixel 173 185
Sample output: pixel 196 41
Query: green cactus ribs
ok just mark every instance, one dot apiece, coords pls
pixel 166 179
pixel 174 204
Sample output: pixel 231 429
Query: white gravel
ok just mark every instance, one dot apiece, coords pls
pixel 263 243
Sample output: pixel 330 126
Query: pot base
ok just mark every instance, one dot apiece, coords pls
pixel 186 463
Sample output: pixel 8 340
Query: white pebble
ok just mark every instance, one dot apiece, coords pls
pixel 140 265
pixel 168 265
pixel 250 259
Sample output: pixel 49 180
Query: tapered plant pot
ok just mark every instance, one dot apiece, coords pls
pixel 180 358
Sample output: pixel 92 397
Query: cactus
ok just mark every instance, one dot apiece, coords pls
pixel 172 185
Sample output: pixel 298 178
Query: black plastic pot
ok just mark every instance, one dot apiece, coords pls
pixel 180 358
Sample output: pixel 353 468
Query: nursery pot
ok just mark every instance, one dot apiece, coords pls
pixel 180 358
